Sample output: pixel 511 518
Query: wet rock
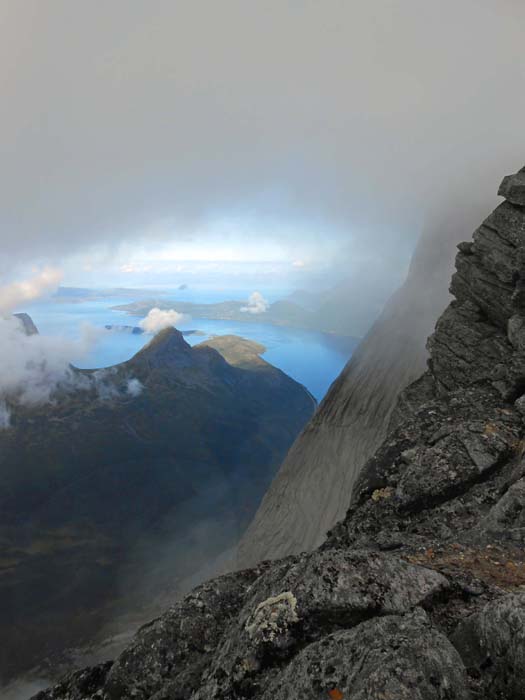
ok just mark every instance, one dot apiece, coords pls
pixel 391 657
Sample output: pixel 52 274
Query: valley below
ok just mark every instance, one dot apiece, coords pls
pixel 128 488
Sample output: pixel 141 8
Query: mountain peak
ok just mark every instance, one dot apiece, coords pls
pixel 166 348
pixel 27 323
pixel 170 336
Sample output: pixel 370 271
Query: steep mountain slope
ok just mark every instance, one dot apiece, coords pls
pixel 312 488
pixel 130 481
pixel 418 592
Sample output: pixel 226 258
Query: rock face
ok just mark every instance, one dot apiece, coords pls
pixel 418 592
pixel 312 489
pixel 123 487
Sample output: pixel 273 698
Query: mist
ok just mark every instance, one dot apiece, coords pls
pixel 33 367
pixel 336 129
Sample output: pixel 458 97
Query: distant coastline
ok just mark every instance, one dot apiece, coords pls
pixel 280 313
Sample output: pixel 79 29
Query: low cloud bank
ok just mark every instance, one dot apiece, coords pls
pixel 257 304
pixel 12 295
pixel 34 366
pixel 158 320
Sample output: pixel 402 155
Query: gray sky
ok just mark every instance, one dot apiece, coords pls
pixel 284 130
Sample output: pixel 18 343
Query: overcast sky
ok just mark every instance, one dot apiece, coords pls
pixel 135 136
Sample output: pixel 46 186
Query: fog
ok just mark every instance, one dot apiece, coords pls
pixel 340 126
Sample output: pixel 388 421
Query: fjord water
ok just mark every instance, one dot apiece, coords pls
pixel 311 358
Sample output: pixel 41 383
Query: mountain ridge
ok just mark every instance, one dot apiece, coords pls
pixel 154 465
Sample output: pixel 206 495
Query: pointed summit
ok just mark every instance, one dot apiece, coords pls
pixel 166 348
pixel 27 323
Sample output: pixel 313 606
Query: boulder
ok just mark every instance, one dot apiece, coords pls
pixel 390 657
pixel 513 188
pixel 492 646
pixel 303 598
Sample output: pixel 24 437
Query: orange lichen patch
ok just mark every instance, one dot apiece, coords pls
pixel 335 694
pixel 495 565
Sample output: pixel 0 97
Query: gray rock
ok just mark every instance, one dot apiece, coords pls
pixel 513 188
pixel 391 657
pixel 509 511
pixel 179 642
pixel 450 466
pixel 81 685
pixel 492 646
pixel 465 348
pixel 516 331
pixel 519 405
pixel 305 598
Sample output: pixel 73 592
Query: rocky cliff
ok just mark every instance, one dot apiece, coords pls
pixel 418 591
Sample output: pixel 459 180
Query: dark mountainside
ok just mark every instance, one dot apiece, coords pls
pixel 121 489
pixel 418 592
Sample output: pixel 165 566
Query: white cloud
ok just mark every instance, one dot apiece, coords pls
pixel 33 367
pixel 257 304
pixel 298 263
pixel 17 293
pixel 134 387
pixel 157 320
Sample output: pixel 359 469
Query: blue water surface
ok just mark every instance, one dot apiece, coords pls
pixel 311 358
